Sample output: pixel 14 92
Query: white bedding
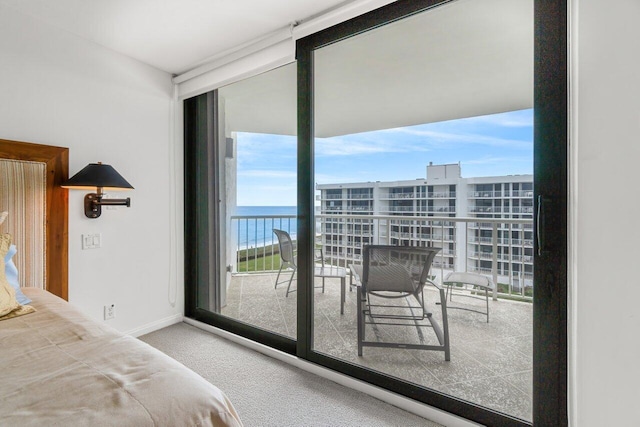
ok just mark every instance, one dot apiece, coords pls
pixel 59 368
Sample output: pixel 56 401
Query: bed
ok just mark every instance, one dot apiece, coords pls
pixel 60 368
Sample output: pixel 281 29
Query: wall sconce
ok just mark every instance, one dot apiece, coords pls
pixel 102 177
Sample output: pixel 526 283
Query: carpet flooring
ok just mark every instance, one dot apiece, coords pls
pixel 269 392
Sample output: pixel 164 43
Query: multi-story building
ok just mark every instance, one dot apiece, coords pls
pixel 355 214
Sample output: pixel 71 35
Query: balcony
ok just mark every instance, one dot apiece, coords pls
pixel 491 363
pixel 525 194
pixel 456 236
pixel 487 209
pixel 442 195
pixel 522 210
pixel 332 197
pixel 485 194
pixel 399 196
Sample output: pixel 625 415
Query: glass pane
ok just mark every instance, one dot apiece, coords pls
pixel 257 183
pixel 424 141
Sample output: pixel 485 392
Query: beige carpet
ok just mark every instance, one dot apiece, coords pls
pixel 268 392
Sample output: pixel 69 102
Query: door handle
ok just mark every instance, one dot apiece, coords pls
pixel 543 202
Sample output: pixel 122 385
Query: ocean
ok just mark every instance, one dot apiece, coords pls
pixel 257 231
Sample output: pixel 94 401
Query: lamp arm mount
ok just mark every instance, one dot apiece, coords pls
pixel 93 203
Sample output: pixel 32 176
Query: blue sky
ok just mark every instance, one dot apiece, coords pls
pixel 499 144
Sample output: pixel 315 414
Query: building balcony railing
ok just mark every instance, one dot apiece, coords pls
pixel 400 209
pixel 348 209
pixel 503 224
pixel 484 194
pixel 442 209
pixel 503 241
pixel 487 209
pixel 256 247
pixel 422 236
pixel 522 209
pixel 442 195
pixel 526 194
pixel 502 257
pixel 523 194
pixel 399 196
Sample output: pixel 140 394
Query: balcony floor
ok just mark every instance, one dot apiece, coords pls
pixel 491 363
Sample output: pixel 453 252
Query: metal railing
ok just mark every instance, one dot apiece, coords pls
pixel 257 248
pixel 254 243
pixel 442 195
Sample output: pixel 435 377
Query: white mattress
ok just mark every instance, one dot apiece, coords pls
pixel 60 368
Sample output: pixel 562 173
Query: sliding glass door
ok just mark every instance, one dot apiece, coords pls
pixel 248 146
pixel 424 139
pixel 425 126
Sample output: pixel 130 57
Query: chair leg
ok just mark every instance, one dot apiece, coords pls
pixel 486 294
pixel 278 277
pixel 445 329
pixel 360 323
pixel 291 280
pixel 323 285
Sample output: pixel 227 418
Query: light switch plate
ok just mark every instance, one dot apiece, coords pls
pixel 92 241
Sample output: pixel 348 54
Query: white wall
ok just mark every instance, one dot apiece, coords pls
pixel 606 158
pixel 58 89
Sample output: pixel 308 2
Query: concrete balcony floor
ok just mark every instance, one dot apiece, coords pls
pixel 491 363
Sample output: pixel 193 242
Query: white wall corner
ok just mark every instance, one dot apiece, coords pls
pixel 154 326
pixel 572 220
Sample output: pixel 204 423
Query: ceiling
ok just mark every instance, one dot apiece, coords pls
pixel 172 35
pixel 464 59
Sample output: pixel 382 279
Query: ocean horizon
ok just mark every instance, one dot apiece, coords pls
pixel 257 231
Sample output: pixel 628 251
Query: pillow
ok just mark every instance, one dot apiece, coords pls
pixel 9 306
pixel 11 271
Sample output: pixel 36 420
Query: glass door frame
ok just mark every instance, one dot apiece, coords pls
pixel 550 187
pixel 201 222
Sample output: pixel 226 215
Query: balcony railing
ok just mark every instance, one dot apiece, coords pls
pixel 256 246
pixel 524 194
pixel 484 194
pixel 400 196
pixel 442 195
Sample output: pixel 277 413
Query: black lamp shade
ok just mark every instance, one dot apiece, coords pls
pixel 98 175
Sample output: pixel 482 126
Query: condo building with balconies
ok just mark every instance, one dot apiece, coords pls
pixel 459 215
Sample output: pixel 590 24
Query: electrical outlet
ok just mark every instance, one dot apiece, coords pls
pixel 109 311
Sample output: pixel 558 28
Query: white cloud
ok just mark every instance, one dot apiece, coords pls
pixel 496 160
pixel 523 118
pixel 369 144
pixel 435 137
pixel 256 173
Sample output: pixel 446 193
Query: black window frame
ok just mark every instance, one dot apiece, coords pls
pixel 550 189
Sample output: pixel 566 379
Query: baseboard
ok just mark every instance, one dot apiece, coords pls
pixel 154 326
pixel 409 405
